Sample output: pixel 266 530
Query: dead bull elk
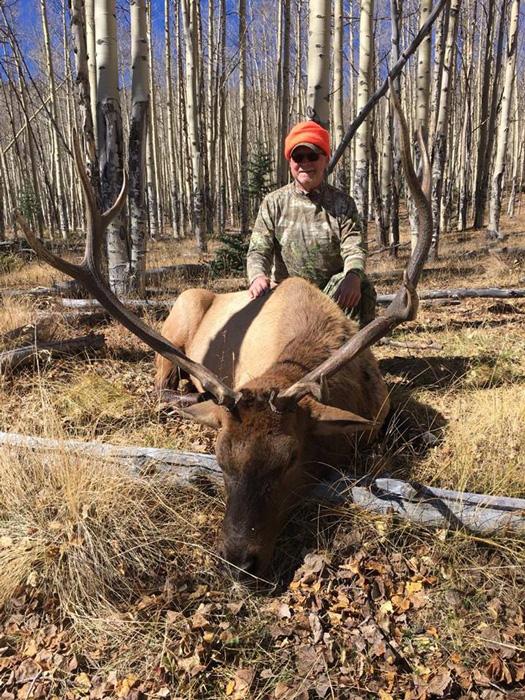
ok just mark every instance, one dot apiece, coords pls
pixel 304 382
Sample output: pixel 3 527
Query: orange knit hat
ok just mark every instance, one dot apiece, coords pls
pixel 310 134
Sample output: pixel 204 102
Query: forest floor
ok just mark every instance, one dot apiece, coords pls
pixel 110 586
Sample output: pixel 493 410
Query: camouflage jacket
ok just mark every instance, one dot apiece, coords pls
pixel 314 236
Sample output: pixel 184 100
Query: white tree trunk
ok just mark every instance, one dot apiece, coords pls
pixel 318 90
pixel 338 90
pixel 189 14
pixel 110 140
pixel 92 61
pixel 366 47
pixel 283 92
pixel 504 123
pixel 58 176
pixel 138 222
pixel 243 125
pixel 440 138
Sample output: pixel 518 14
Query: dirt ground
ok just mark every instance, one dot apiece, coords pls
pixel 363 606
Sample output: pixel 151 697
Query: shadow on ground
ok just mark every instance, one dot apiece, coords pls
pixel 430 372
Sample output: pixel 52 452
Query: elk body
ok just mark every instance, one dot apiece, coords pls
pixel 269 454
pixel 291 383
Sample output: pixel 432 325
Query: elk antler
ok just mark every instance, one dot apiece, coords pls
pixel 89 274
pixel 404 305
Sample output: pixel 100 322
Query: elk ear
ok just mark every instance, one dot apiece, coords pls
pixel 206 413
pixel 327 420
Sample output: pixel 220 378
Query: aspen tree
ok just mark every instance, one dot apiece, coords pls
pixel 211 121
pixel 153 175
pixel 396 9
pixel 69 125
pixel 442 123
pixel 3 184
pixel 423 69
pixel 172 180
pixel 137 145
pixel 386 170
pixel 489 99
pixel 283 89
pixel 465 156
pixel 221 129
pixel 338 91
pixel 422 80
pixel 517 151
pixel 318 89
pixel 361 178
pixel 110 140
pixel 243 125
pixel 189 16
pixel 91 48
pixel 83 92
pixel 503 128
pixel 298 95
pixel 182 154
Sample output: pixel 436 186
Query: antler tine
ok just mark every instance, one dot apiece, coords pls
pixel 88 273
pixel 404 305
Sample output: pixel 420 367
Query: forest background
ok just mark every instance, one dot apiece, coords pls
pixel 221 83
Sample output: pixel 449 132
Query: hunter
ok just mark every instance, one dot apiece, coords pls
pixel 312 230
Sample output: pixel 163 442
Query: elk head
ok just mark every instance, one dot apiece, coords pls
pixel 261 439
pixel 264 454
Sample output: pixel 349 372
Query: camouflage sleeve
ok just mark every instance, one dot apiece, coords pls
pixel 262 241
pixel 353 247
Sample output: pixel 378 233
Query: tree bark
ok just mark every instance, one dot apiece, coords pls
pixel 440 136
pixel 366 48
pixel 318 90
pixel 504 124
pixel 137 146
pixel 189 14
pixel 110 140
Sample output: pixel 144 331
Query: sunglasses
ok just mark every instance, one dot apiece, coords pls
pixel 311 157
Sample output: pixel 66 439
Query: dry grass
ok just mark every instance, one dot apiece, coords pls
pixel 29 275
pixel 95 539
pixel 483 448
pixel 15 313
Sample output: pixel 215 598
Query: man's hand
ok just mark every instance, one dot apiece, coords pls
pixel 348 294
pixel 259 286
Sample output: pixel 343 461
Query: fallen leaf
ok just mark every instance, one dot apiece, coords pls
pixel 316 627
pixel 284 611
pixel 439 682
pixel 242 683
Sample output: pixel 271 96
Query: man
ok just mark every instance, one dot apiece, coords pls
pixel 312 230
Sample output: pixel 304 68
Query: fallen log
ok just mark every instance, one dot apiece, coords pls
pixel 58 289
pixel 77 316
pixel 516 252
pixel 135 304
pixel 428 506
pixel 184 467
pixel 410 345
pixel 461 293
pixel 443 508
pixel 28 331
pixel 11 359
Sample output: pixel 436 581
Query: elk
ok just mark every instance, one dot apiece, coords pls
pixel 284 379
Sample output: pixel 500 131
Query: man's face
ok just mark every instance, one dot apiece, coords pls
pixel 307 173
